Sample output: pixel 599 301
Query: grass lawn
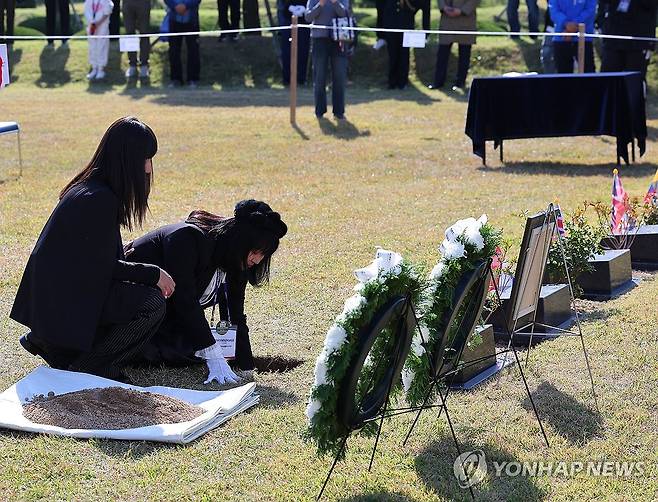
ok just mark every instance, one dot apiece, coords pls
pixel 396 174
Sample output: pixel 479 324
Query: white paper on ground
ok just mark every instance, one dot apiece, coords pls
pixel 128 44
pixel 413 39
pixel 4 66
pixel 219 406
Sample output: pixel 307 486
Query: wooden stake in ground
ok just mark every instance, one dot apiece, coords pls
pixel 293 72
pixel 581 47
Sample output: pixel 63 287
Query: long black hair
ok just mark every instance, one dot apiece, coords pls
pixel 119 162
pixel 253 227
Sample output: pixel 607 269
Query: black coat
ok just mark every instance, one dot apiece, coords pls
pixel 191 257
pixel 391 14
pixel 68 276
pixel 638 21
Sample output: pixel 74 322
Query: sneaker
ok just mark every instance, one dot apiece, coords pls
pixel 144 71
pixel 193 84
pixel 92 74
pixel 379 44
pixel 131 72
pixel 100 74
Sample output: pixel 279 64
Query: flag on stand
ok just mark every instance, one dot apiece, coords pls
pixel 559 220
pixel 653 188
pixel 618 217
pixel 4 66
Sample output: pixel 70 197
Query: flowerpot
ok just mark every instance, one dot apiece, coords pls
pixel 644 246
pixel 611 275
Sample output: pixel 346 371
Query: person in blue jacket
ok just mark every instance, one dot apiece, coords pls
pixel 567 14
pixel 183 17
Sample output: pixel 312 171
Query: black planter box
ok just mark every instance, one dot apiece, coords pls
pixel 644 248
pixel 554 309
pixel 484 353
pixel 611 277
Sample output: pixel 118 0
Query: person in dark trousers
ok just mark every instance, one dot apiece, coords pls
pixel 211 259
pixel 324 51
pixel 115 18
pixel 400 14
pixel 88 309
pixel 7 10
pixel 223 7
pixel 456 15
pixel 635 18
pixel 184 17
pixel 55 8
pixel 567 15
pixel 285 10
pixel 513 16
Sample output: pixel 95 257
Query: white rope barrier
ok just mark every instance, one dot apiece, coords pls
pixel 216 33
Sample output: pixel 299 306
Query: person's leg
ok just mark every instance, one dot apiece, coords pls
pixel 513 16
pixel 393 58
pixel 338 80
pixel 235 16
pixel 463 64
pixel 115 18
pixel 130 25
pixel 589 57
pixel 144 26
pixel 64 14
pixel 175 65
pixel 533 15
pixel 304 43
pixel 634 60
pixel 193 57
pixel 611 60
pixel 563 57
pixel 3 7
pixel 403 67
pixel 51 14
pixel 320 61
pixel 11 11
pixel 284 18
pixel 119 343
pixel 442 55
pixel 222 15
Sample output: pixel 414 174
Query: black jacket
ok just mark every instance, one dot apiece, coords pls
pixel 638 21
pixel 393 14
pixel 68 275
pixel 191 257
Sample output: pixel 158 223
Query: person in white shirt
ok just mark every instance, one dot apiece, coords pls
pixel 97 14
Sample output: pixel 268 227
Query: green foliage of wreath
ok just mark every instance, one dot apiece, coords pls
pixel 324 429
pixel 439 300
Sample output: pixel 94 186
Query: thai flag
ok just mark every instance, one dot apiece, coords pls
pixel 559 220
pixel 618 217
pixel 653 187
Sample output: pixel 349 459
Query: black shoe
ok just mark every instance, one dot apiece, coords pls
pixel 56 361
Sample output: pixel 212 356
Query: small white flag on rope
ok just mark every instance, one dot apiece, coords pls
pixel 4 66
pixel 128 44
pixel 413 39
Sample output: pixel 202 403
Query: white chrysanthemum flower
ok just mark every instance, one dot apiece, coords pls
pixel 359 287
pixel 452 250
pixel 353 303
pixel 438 270
pixel 473 236
pixel 336 336
pixel 312 408
pixel 458 228
pixel 321 369
pixel 482 220
pixel 407 378
pixel 417 341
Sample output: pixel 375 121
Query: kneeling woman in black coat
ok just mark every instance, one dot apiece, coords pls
pixel 211 259
pixel 89 310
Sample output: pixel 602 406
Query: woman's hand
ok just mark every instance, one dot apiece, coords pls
pixel 166 284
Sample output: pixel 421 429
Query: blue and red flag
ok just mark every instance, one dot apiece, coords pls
pixel 618 217
pixel 653 188
pixel 559 220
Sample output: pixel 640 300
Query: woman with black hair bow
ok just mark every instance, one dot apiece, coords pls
pixel 89 310
pixel 211 258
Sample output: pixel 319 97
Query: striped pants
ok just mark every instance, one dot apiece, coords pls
pixel 119 342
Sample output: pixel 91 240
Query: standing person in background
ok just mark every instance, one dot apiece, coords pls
pixel 513 16
pixel 7 7
pixel 320 13
pixel 115 18
pixel 184 17
pixel 635 18
pixel 456 15
pixel 54 7
pixel 285 10
pixel 97 14
pixel 137 17
pixel 224 24
pixel 567 14
pixel 381 36
pixel 400 14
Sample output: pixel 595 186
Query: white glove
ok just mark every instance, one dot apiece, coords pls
pixel 379 44
pixel 218 369
pixel 297 10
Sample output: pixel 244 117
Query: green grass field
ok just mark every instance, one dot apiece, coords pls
pixel 395 174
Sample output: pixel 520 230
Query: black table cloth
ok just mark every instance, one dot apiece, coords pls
pixel 540 106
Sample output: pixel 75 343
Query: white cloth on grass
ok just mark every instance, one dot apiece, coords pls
pixel 219 406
